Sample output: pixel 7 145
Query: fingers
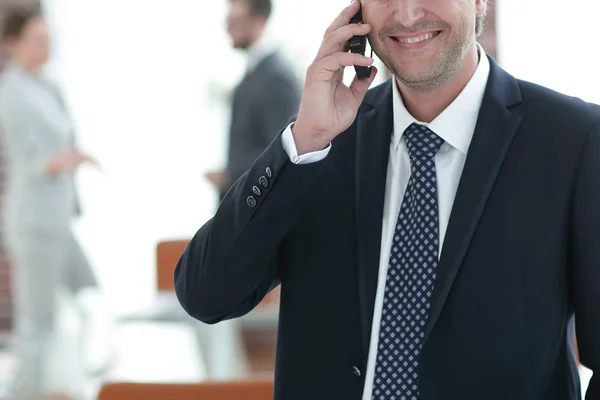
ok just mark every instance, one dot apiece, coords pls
pixel 359 87
pixel 344 17
pixel 337 61
pixel 337 41
pixel 92 161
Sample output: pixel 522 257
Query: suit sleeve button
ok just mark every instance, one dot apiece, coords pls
pixel 262 181
pixel 356 371
pixel 251 201
pixel 256 191
pixel 269 173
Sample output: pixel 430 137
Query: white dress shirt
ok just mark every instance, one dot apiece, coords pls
pixel 258 51
pixel 455 125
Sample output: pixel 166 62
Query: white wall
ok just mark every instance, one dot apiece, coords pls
pixel 553 43
pixel 135 77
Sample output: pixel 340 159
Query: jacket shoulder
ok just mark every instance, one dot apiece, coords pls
pixel 557 108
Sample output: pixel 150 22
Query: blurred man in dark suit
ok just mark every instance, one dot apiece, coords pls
pixel 265 99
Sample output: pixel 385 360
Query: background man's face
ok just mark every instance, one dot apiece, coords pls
pixel 240 24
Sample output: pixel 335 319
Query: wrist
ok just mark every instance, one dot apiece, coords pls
pixel 308 141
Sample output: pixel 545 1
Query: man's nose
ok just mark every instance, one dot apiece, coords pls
pixel 409 12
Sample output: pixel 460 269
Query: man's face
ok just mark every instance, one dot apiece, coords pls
pixel 240 24
pixel 423 42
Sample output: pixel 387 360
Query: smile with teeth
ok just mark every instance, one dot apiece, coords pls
pixel 417 39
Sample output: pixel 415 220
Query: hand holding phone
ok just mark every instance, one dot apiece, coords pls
pixel 358 45
pixel 328 106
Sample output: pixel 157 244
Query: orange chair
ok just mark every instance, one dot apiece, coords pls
pixel 239 390
pixel 167 255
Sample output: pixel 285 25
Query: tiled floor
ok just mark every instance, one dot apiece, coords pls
pixel 144 352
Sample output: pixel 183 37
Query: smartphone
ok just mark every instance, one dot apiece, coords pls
pixel 358 44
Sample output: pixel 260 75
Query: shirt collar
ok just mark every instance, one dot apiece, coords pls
pixel 456 124
pixel 258 51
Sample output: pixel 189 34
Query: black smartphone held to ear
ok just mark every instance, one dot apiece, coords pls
pixel 358 44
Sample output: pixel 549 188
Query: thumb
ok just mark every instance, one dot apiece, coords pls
pixel 359 87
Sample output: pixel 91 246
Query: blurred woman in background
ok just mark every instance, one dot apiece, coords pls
pixel 40 202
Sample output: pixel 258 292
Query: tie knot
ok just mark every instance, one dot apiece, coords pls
pixel 422 142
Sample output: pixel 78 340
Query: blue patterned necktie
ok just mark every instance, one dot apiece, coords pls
pixel 411 274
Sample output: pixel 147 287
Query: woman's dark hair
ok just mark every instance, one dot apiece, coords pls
pixel 16 21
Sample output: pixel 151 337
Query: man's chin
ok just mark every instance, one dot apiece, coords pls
pixel 241 46
pixel 412 73
pixel 410 68
pixel 417 80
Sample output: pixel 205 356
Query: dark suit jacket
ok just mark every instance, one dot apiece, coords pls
pixel 521 255
pixel 263 102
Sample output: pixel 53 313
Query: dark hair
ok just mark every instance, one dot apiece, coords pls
pixel 16 21
pixel 258 8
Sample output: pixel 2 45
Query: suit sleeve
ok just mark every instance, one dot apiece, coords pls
pixel 232 261
pixel 586 262
pixel 22 137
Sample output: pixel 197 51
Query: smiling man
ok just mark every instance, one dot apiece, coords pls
pixel 434 237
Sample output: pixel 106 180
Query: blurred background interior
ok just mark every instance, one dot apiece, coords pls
pixel 148 85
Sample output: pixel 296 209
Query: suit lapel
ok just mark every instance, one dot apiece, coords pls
pixel 374 129
pixel 493 135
